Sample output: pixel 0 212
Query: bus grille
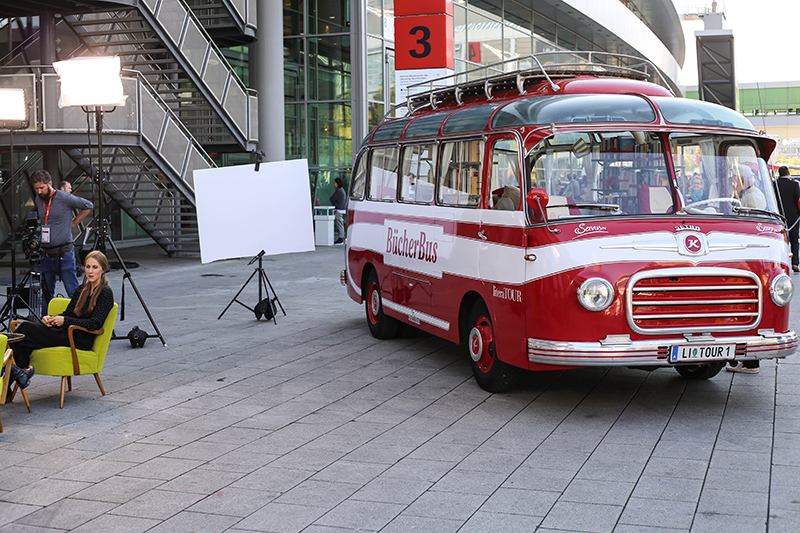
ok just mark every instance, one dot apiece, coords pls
pixel 692 300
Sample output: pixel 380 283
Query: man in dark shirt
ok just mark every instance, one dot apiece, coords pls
pixel 57 219
pixel 339 201
pixel 790 197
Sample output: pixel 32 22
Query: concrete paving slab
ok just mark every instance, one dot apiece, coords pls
pixel 314 426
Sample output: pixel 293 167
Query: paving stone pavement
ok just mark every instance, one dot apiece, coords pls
pixel 314 426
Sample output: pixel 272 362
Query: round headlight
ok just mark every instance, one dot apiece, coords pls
pixel 595 294
pixel 781 289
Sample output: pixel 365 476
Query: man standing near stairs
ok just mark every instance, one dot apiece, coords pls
pixel 57 220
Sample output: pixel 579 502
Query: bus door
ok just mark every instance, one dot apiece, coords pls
pixel 411 237
pixel 501 260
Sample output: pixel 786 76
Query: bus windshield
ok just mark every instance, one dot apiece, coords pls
pixel 722 175
pixel 599 174
pixel 602 174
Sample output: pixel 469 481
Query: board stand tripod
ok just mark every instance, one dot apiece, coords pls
pixel 265 307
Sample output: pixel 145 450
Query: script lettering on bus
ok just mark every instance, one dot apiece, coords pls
pixel 766 228
pixel 507 293
pixel 585 229
pixel 419 247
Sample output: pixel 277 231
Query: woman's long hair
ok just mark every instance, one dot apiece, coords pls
pixel 87 288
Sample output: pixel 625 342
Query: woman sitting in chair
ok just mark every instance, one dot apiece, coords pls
pixel 88 308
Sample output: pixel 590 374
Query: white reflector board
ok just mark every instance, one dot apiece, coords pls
pixel 241 212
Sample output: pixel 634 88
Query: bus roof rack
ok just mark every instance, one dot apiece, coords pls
pixel 513 73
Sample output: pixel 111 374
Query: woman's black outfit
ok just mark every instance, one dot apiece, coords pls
pixel 37 335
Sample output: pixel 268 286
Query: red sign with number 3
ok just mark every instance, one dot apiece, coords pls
pixel 424 41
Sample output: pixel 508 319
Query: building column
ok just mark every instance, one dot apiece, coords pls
pixel 47 53
pixel 358 65
pixel 269 80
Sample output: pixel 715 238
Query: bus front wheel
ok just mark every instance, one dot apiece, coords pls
pixel 380 325
pixel 492 374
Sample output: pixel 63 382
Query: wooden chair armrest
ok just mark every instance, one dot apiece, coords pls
pixel 76 367
pixel 13 324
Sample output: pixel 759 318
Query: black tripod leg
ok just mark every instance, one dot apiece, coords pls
pixel 262 279
pixel 146 310
pixel 273 292
pixel 135 289
pixel 237 294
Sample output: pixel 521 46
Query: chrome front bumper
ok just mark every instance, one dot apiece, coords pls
pixel 620 350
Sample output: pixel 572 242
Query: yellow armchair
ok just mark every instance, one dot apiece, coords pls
pixel 5 374
pixel 68 361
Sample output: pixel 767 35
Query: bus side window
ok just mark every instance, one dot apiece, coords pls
pixel 504 189
pixel 359 179
pixel 460 173
pixel 383 173
pixel 417 173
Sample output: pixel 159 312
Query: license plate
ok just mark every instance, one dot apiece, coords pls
pixel 698 353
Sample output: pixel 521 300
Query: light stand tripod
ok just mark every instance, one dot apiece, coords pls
pixel 265 307
pixel 16 105
pixel 102 226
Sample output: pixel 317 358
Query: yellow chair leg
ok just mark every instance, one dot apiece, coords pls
pixel 99 383
pixel 63 386
pixel 25 397
pixel 10 399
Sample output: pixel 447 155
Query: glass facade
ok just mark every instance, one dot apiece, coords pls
pixel 318 73
pixel 317 90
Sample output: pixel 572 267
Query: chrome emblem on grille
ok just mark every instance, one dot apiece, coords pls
pixel 691 243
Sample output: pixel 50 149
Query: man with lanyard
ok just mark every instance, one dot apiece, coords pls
pixel 56 217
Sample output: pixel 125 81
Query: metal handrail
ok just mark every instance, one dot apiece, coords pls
pixel 44 121
pixel 217 54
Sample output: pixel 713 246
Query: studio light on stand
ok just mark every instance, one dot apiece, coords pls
pixel 13 116
pixel 93 83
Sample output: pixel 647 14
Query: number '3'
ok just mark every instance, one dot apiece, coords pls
pixel 423 40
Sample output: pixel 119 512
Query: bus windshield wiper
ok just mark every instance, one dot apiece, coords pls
pixel 601 207
pixel 738 209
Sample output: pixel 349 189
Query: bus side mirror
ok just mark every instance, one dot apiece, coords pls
pixel 537 200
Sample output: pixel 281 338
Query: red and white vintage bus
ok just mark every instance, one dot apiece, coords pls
pixel 571 215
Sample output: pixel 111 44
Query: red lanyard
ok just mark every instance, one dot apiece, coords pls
pixel 49 203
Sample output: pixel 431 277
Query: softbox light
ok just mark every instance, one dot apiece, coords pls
pixel 13 109
pixel 90 81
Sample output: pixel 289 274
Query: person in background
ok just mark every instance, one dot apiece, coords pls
pixel 789 193
pixel 57 220
pixel 65 186
pixel 696 192
pixel 745 184
pixel 339 201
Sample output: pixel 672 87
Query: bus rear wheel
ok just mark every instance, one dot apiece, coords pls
pixel 492 374
pixel 380 325
pixel 702 371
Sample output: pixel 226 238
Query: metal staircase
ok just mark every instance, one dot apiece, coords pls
pixel 184 100
pixel 170 47
pixel 229 22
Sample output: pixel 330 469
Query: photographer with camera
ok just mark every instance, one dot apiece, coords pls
pixel 55 209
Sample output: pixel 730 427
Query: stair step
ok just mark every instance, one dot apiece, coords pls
pixel 127 64
pixel 94 22
pixel 119 31
pixel 126 43
pixel 170 82
pixel 140 52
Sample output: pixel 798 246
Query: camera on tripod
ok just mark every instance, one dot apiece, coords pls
pixel 31 239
